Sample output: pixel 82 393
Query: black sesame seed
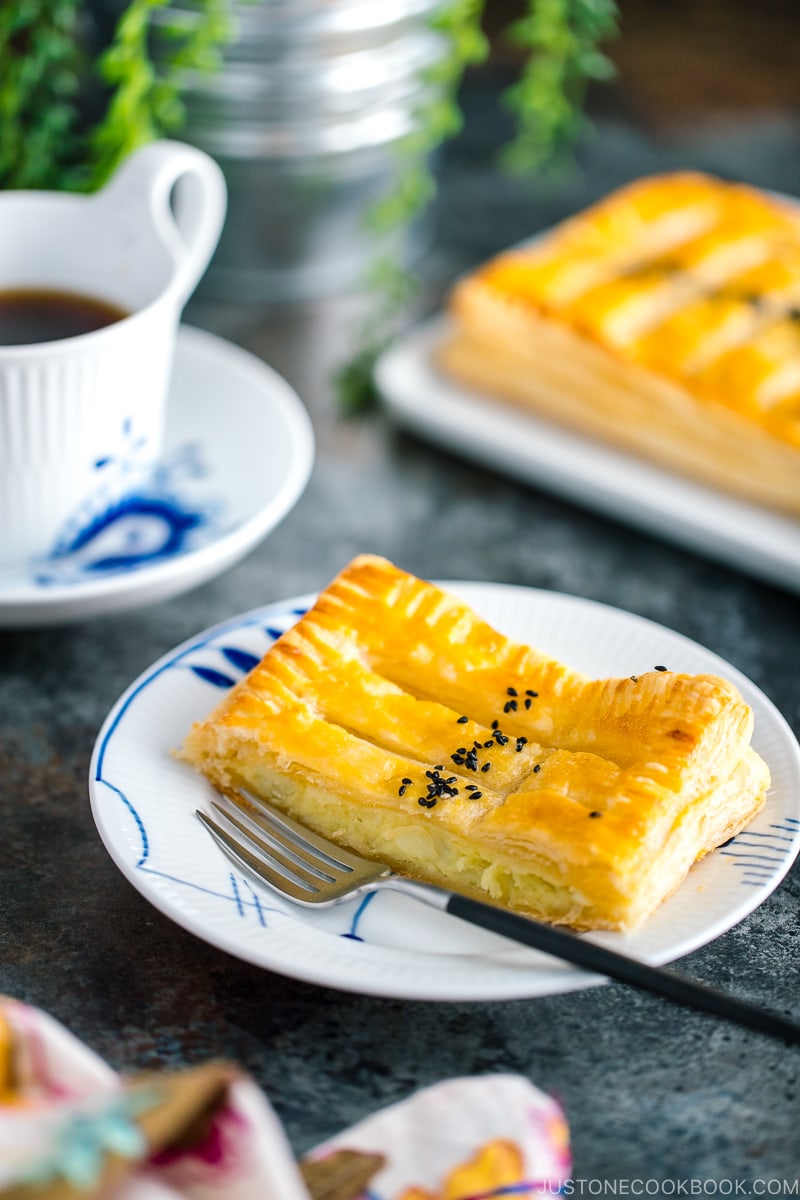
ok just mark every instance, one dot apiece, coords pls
pixel 477 796
pixel 501 738
pixel 489 744
pixel 462 720
pixel 635 678
pixel 461 750
pixel 510 706
pixel 595 814
pixel 439 767
pixel 530 692
pixel 495 724
pixel 406 781
pixel 521 741
pixel 402 791
pixel 512 692
pixel 660 668
pixel 528 703
pixel 486 767
pixel 538 767
pixel 471 787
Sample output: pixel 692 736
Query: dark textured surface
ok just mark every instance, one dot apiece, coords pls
pixel 650 1091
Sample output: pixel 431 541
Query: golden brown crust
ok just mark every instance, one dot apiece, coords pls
pixel 665 320
pixel 598 794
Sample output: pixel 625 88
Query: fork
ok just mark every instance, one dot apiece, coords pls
pixel 309 870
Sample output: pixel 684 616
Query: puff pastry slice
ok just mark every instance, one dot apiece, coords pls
pixel 394 720
pixel 664 320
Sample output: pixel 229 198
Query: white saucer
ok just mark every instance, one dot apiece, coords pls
pixel 238 452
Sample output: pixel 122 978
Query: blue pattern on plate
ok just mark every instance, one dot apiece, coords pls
pixel 243 660
pixel 758 853
pixel 252 903
pixel 215 678
pixel 162 518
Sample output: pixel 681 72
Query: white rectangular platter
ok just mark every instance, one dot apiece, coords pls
pixel 755 540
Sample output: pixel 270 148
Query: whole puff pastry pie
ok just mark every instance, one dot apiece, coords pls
pixel 392 719
pixel 664 320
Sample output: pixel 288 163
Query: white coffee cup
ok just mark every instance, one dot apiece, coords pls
pixel 82 417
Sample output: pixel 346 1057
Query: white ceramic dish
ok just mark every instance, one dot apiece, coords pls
pixel 755 540
pixel 238 453
pixel 144 801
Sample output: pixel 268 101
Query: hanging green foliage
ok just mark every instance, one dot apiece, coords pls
pixel 560 41
pixel 389 284
pixel 41 66
pixel 70 110
pixel 145 103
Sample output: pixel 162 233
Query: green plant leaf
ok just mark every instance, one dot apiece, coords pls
pixel 561 40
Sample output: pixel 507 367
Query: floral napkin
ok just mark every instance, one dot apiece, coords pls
pixel 72 1129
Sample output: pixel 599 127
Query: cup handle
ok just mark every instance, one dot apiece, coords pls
pixel 184 191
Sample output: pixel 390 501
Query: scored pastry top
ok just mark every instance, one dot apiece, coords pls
pixel 395 696
pixel 688 276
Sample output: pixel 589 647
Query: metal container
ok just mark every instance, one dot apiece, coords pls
pixel 304 117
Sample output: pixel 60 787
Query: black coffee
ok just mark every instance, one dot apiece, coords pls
pixel 29 315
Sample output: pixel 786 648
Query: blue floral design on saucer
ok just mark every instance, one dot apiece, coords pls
pixel 163 517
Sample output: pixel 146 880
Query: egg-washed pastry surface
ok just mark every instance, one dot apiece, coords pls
pixel 665 320
pixel 392 719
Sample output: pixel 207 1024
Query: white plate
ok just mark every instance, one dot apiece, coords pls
pixel 143 802
pixel 238 452
pixel 755 540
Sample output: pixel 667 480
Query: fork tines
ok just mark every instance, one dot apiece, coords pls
pixel 287 856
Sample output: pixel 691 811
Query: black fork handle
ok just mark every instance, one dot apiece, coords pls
pixel 560 943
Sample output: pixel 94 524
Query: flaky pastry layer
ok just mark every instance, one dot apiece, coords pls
pixel 394 720
pixel 664 320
